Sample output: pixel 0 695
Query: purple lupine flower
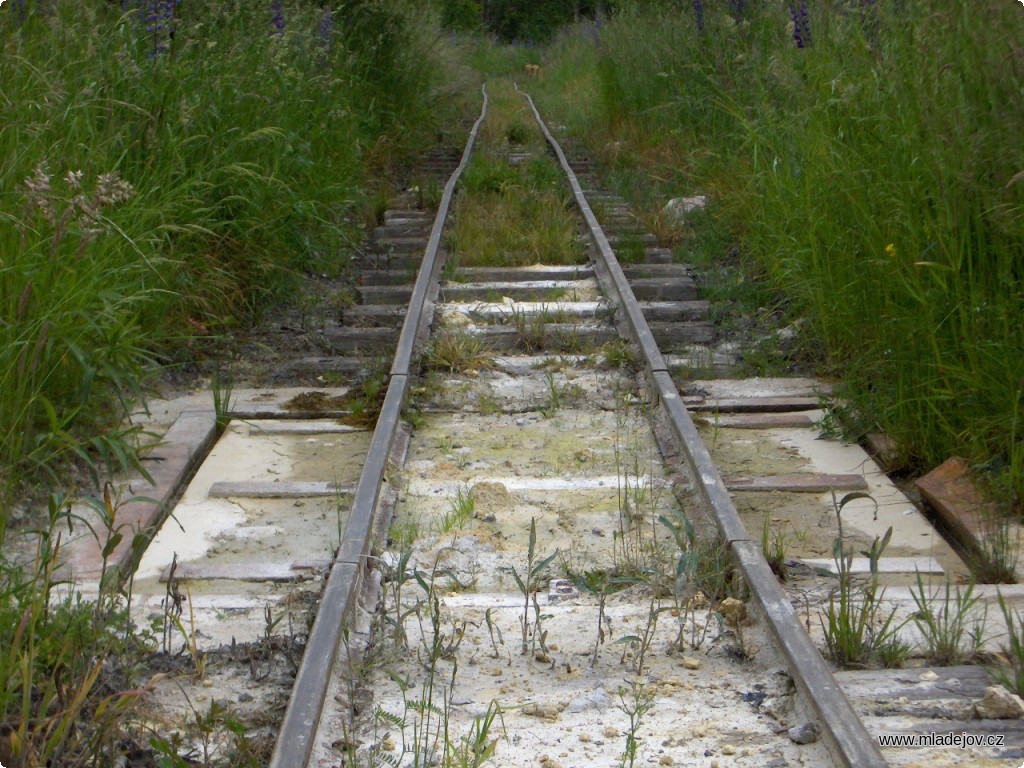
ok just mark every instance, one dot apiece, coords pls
pixel 327 32
pixel 869 19
pixel 698 15
pixel 159 19
pixel 277 6
pixel 801 24
pixel 805 20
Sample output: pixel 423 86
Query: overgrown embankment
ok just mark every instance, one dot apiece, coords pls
pixel 865 159
pixel 169 170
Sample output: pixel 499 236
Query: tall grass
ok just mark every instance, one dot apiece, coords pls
pixel 156 190
pixel 247 138
pixel 872 174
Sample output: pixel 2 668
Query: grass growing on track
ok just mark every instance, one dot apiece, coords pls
pixel 872 175
pixel 518 212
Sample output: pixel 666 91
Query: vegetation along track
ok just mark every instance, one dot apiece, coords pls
pixel 543 564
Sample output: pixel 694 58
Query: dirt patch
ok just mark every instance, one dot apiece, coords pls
pixel 315 402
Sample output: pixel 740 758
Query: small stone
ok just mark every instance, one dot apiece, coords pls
pixel 244 697
pixel 999 704
pixel 679 207
pixel 928 677
pixel 714 764
pixel 728 749
pixel 562 589
pixel 690 662
pixel 805 733
pixel 388 745
pixel 597 699
pixel 585 738
pixel 699 600
pixel 777 707
pixel 611 732
pixel 666 760
pixel 733 611
pixel 546 711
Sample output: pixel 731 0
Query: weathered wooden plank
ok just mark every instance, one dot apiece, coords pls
pixel 862 565
pixel 411 216
pixel 514 274
pixel 663 289
pixel 757 387
pixel 565 337
pixel 674 311
pixel 523 290
pixel 384 294
pixel 253 489
pixel 375 341
pixel 757 420
pixel 205 570
pixel 403 244
pixel 374 315
pixel 642 271
pixel 657 256
pixel 800 482
pixel 965 682
pixel 406 229
pixel 951 493
pixel 399 262
pixel 752 404
pixel 618 241
pixel 302 427
pixel 681 332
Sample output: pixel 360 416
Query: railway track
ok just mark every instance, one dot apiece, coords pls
pixel 532 557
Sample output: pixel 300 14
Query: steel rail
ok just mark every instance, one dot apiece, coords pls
pixel 848 739
pixel 297 735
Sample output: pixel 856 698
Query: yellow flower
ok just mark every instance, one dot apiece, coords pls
pixel 890 249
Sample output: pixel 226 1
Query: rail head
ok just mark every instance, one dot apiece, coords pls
pixel 851 744
pixel 297 736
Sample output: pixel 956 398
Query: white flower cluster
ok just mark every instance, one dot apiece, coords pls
pixel 83 206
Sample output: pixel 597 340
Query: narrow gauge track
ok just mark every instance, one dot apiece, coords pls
pixel 440 632
pixel 849 742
